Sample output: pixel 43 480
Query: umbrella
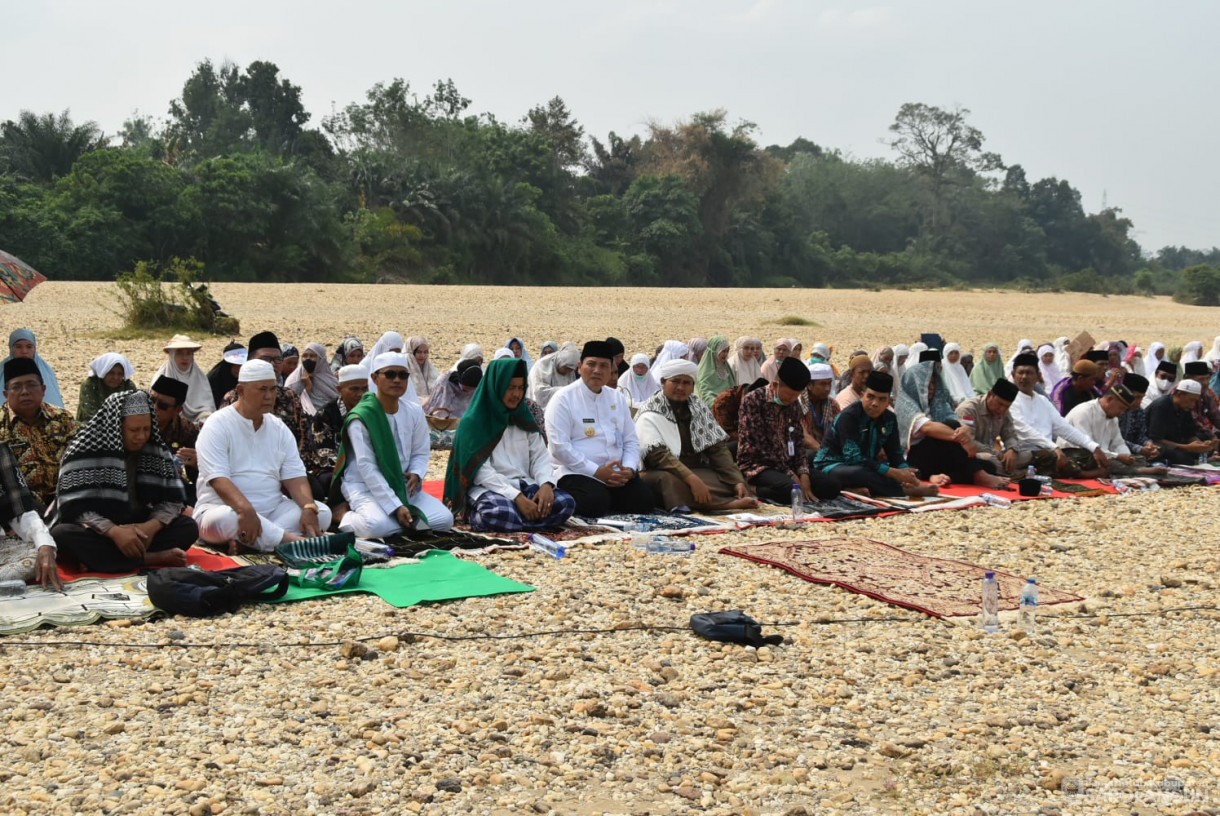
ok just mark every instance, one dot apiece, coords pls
pixel 17 278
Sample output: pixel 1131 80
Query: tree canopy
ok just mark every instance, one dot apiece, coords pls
pixel 401 186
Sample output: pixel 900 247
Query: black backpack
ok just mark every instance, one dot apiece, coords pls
pixel 732 627
pixel 186 591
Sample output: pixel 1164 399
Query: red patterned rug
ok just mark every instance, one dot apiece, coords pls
pixel 938 586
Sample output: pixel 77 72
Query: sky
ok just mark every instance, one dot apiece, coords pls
pixel 1117 97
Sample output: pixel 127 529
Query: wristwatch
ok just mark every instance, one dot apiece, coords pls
pixel 310 506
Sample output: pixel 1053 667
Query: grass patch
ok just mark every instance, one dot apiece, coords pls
pixel 152 302
pixel 794 320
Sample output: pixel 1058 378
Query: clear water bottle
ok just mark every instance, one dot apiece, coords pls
pixel 1030 473
pixel 541 543
pixel 798 502
pixel 1029 605
pixel 996 501
pixel 13 588
pixel 1202 458
pixel 664 545
pixel 991 604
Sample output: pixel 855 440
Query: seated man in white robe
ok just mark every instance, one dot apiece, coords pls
pixel 1038 424
pixel 1098 419
pixel 248 459
pixel 383 459
pixel 685 453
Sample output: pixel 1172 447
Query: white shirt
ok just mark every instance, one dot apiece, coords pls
pixel 1037 424
pixel 256 461
pixel 364 478
pixel 519 456
pixel 1105 431
pixel 587 430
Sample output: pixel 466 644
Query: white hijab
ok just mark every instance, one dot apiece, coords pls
pixel 470 351
pixel 387 342
pixel 325 382
pixel 1156 352
pixel 544 377
pixel 199 403
pixel 1063 361
pixel 1213 356
pixel 101 366
pixel 1051 373
pixel 747 371
pixel 1024 347
pixel 423 378
pixel 955 375
pixel 1191 353
pixel 640 388
pixel 672 350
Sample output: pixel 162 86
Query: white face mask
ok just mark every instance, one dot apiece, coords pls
pixel 1163 385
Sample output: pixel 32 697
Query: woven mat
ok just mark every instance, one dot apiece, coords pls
pixel 938 586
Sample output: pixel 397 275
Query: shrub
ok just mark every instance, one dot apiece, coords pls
pixel 794 320
pixel 1200 286
pixel 152 299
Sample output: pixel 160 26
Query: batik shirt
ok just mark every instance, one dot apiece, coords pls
pixel 770 436
pixel 182 433
pixel 39 446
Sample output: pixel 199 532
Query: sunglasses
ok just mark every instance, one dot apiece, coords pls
pixel 393 375
pixel 165 406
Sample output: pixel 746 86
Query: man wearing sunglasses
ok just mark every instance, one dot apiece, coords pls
pixel 179 433
pixel 383 458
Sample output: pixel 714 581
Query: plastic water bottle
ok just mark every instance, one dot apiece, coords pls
pixel 991 603
pixel 541 543
pixel 1202 458
pixel 798 502
pixel 1029 605
pixel 663 545
pixel 996 501
pixel 1030 473
pixel 12 588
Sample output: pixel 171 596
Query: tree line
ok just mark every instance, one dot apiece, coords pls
pixel 412 187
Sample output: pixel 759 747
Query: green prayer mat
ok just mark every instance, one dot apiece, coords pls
pixel 439 576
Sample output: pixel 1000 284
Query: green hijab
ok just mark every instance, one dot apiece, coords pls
pixel 714 377
pixel 482 426
pixel 985 374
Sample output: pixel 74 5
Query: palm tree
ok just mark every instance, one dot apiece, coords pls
pixel 43 148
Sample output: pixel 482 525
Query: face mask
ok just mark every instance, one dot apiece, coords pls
pixel 309 365
pixel 1163 385
pixel 777 400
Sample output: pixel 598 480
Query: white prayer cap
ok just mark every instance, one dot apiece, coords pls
pixel 501 353
pixel 1190 387
pixel 256 371
pixel 388 359
pixel 352 373
pixel 821 371
pixel 822 350
pixel 676 368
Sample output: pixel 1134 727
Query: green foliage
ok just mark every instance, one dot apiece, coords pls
pixel 1200 286
pixel 151 299
pixel 794 320
pixel 1145 282
pixel 1086 280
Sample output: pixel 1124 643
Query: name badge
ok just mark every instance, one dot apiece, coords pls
pixel 791 444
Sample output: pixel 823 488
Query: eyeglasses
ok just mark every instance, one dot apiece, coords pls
pixel 273 360
pixel 19 388
pixel 393 375
pixel 165 406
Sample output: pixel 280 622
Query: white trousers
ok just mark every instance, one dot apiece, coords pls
pixel 218 523
pixel 367 520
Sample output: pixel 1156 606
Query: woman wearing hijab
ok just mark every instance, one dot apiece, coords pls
pixel 715 376
pixel 1156 353
pixel 313 381
pixel 883 360
pixel 120 500
pixel 744 360
pixel 1213 354
pixel 1063 360
pixel 779 352
pixel 500 475
pixel 452 395
pixel 292 359
pixel 470 351
pixel 21 343
pixel 1048 368
pixel 349 352
pixel 639 383
pixel 698 346
pixel 1133 361
pixel 389 341
pixel 941 452
pixel 987 370
pixel 424 375
pixel 671 350
pixel 517 346
pixel 181 366
pixel 902 353
pixel 954 375
pixel 553 372
pixel 222 378
pixel 1192 352
pixel 1023 347
pixel 109 374
pixel 548 347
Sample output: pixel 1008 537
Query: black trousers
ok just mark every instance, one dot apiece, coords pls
pixel 851 477
pixel 99 554
pixel 594 498
pixel 776 486
pixel 930 456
